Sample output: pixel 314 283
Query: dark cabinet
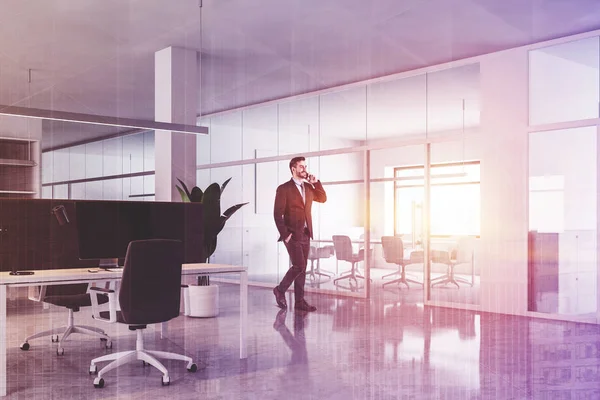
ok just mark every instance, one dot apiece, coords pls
pixel 543 272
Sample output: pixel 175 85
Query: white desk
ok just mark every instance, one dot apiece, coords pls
pixel 81 275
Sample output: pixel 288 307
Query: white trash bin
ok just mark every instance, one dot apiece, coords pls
pixel 203 301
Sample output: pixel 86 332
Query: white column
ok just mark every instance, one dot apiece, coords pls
pixel 176 93
pixel 504 182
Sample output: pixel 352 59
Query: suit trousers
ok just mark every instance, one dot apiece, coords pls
pixel 297 247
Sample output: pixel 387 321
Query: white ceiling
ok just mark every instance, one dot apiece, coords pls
pixel 97 57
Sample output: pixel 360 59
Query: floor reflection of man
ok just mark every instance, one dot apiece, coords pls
pixel 297 341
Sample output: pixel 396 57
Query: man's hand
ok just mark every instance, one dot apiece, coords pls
pixel 288 238
pixel 312 179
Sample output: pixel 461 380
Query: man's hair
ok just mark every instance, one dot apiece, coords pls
pixel 295 161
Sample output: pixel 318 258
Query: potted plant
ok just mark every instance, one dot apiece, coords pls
pixel 203 298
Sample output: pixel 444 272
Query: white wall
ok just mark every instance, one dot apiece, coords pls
pixel 564 81
pixel 504 182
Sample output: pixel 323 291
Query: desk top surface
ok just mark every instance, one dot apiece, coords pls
pixel 84 274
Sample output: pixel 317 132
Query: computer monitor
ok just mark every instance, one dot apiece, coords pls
pixel 105 228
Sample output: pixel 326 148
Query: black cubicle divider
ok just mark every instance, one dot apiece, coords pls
pixel 32 238
pixel 42 233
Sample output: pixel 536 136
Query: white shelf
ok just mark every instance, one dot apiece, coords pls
pixel 19 167
pixel 17 162
pixel 17 139
pixel 16 192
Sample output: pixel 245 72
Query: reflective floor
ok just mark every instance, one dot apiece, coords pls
pixel 349 349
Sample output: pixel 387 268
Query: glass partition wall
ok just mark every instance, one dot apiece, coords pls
pixel 368 146
pixel 563 265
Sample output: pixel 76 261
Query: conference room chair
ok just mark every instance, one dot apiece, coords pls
pixel 463 260
pixel 315 254
pixel 149 294
pixel 344 252
pixel 72 297
pixel 393 253
pixel 438 257
pixel 463 256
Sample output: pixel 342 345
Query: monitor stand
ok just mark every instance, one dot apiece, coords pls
pixel 108 263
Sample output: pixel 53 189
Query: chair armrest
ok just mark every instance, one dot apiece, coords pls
pixel 112 303
pixel 36 293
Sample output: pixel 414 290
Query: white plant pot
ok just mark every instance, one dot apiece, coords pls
pixel 202 301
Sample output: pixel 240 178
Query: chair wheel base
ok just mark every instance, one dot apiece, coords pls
pixel 99 383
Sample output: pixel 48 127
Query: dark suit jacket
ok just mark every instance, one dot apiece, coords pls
pixel 291 212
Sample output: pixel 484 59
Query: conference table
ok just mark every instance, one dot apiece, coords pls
pixel 83 275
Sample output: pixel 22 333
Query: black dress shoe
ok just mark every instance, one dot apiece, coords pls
pixel 280 298
pixel 304 306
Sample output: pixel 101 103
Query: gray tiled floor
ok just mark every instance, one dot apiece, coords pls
pixel 348 349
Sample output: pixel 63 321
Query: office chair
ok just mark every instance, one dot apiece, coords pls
pixel 344 252
pixel 393 252
pixel 464 255
pixel 72 297
pixel 149 294
pixel 438 257
pixel 315 254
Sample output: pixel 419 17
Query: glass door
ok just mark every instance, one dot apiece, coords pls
pixel 563 222
pixel 396 223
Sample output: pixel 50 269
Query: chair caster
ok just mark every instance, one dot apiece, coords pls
pixel 24 346
pixel 108 343
pixel 54 338
pixel 93 369
pixel 166 381
pixel 99 383
pixel 60 351
pixel 192 368
pixel 144 363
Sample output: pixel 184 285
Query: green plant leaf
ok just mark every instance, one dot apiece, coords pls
pixel 213 221
pixel 224 184
pixel 210 247
pixel 187 192
pixel 184 197
pixel 196 195
pixel 212 211
pixel 229 212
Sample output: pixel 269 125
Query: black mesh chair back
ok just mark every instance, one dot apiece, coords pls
pixel 151 285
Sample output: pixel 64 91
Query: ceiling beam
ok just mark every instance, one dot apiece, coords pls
pixel 53 115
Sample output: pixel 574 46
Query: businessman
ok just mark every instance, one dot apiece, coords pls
pixel 292 212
